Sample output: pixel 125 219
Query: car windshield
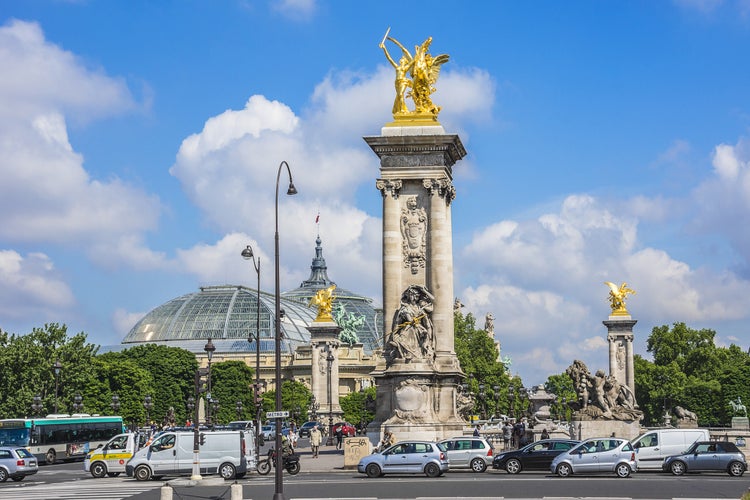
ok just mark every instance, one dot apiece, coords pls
pixel 24 453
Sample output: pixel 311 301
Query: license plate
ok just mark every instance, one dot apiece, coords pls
pixel 32 462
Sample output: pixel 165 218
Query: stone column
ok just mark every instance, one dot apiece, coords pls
pixel 324 339
pixel 390 188
pixel 620 338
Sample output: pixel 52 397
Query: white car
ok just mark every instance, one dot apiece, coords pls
pixel 268 432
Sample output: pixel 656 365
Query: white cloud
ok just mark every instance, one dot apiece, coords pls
pixel 31 286
pixel 46 194
pixel 296 10
pixel 123 321
pixel 543 281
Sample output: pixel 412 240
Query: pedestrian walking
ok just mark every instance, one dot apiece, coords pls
pixel 316 438
pixel 507 434
pixel 339 433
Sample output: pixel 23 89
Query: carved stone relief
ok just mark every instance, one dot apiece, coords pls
pixel 412 338
pixel 414 235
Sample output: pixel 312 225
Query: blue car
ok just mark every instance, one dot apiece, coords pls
pixel 407 457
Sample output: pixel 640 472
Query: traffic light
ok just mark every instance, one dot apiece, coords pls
pixel 202 438
pixel 201 375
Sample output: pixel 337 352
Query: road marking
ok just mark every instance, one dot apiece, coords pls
pixel 79 490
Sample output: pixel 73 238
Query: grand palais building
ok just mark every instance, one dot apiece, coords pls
pixel 227 314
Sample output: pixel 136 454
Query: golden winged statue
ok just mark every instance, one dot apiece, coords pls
pixel 323 298
pixel 617 296
pixel 415 78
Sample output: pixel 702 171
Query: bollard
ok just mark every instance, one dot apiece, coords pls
pixel 235 491
pixel 166 493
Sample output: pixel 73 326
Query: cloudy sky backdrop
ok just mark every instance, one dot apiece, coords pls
pixel 139 145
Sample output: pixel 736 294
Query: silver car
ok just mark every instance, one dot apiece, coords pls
pixel 707 456
pixel 469 452
pixel 409 457
pixel 597 455
pixel 16 463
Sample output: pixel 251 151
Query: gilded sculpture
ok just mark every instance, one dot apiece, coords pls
pixel 617 296
pixel 323 298
pixel 415 78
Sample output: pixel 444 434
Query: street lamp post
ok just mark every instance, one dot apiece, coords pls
pixel 77 403
pixel 314 406
pixel 496 395
pixel 209 348
pixel 329 360
pixel 57 367
pixel 148 404
pixel 279 478
pixel 482 400
pixel 115 404
pixel 247 254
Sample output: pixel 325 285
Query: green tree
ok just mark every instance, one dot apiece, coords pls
pixel 478 356
pixel 295 398
pixel 561 386
pixel 232 382
pixel 359 407
pixel 27 369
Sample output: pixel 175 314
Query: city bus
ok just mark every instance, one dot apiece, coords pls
pixel 59 437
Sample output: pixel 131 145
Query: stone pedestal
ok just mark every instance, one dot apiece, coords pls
pixel 419 375
pixel 620 337
pixel 586 429
pixel 740 423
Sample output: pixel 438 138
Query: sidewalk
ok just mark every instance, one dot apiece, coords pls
pixel 329 460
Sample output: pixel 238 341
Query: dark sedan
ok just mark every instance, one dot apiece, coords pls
pixel 535 456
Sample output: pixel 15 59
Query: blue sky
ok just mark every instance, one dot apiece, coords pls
pixel 607 141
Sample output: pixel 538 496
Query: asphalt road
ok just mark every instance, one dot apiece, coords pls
pixel 68 481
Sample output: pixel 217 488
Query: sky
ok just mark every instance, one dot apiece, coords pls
pixel 607 141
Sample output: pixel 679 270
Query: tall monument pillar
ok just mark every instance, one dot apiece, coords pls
pixel 418 375
pixel 620 335
pixel 324 370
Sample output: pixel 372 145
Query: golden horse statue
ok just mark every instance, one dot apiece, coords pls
pixel 617 296
pixel 323 298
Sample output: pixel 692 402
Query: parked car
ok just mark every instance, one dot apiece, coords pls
pixel 415 457
pixel 654 446
pixel 304 430
pixel 467 452
pixel 268 432
pixel 597 455
pixel 535 456
pixel 347 429
pixel 16 463
pixel 707 456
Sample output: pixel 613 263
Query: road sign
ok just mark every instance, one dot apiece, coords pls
pixel 277 414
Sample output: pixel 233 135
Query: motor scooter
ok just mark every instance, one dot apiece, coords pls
pixel 290 463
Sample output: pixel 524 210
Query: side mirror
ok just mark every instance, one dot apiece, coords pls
pixel 99 446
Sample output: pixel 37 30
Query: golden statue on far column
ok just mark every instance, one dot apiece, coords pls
pixel 617 296
pixel 415 78
pixel 323 298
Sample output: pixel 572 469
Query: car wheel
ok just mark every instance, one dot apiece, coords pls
pixel 513 466
pixel 17 478
pixel 677 468
pixel 622 470
pixel 142 473
pixel 3 475
pixel 432 470
pixel 373 470
pixel 564 470
pixel 736 469
pixel 227 471
pixel 50 457
pixel 478 465
pixel 98 469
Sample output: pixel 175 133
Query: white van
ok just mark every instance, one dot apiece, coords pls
pixel 654 446
pixel 110 459
pixel 171 454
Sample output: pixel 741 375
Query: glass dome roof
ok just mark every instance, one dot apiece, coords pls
pixel 227 314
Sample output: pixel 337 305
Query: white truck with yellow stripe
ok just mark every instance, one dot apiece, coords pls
pixel 110 459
